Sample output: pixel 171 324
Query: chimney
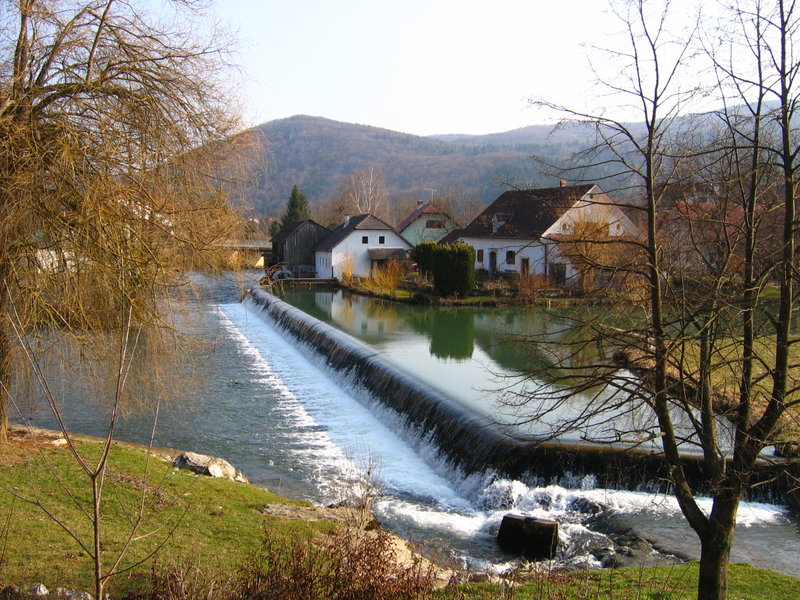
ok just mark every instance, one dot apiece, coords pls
pixel 346 220
pixel 563 182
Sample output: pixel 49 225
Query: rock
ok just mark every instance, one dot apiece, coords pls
pixel 529 537
pixel 206 465
pixel 38 590
pixel 586 506
pixel 612 561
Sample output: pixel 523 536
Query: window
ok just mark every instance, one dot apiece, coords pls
pixel 381 239
pixel 479 258
pixel 432 224
pixel 511 256
pixel 365 239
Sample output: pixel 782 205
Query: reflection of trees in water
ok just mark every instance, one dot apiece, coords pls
pixel 452 332
pixel 511 337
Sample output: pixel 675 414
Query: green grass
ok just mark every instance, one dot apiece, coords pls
pixel 660 583
pixel 211 521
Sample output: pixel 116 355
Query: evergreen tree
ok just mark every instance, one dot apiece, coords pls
pixel 296 209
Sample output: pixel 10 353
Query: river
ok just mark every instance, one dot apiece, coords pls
pixel 269 406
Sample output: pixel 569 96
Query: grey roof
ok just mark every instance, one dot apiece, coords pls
pixel 355 223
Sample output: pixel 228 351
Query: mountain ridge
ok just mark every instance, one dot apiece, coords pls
pixel 315 153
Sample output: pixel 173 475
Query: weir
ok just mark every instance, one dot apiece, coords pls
pixel 468 440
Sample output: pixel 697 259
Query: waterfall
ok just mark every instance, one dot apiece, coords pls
pixel 470 441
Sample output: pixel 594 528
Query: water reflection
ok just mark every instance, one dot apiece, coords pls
pixel 452 334
pixel 487 359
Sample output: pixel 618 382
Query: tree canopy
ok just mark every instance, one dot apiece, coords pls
pixel 112 126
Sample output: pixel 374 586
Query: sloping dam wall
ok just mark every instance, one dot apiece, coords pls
pixel 468 440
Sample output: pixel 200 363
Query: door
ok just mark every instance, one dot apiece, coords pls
pixel 492 262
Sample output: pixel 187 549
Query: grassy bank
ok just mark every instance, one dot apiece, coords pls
pixel 185 517
pixel 220 539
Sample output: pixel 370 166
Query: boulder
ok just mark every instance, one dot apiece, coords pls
pixel 208 465
pixel 529 537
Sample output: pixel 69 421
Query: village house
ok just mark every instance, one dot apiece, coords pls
pixel 293 247
pixel 357 247
pixel 428 223
pixel 520 232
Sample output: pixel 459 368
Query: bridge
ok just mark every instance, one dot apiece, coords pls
pixel 262 247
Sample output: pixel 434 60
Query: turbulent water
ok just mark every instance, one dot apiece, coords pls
pixel 272 408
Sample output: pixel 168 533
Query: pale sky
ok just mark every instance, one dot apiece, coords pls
pixel 417 66
pixel 420 66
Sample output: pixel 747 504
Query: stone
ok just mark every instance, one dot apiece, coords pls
pixel 529 537
pixel 206 465
pixel 38 590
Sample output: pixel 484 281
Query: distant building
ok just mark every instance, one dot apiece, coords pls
pixel 428 223
pixel 358 246
pixel 521 230
pixel 294 246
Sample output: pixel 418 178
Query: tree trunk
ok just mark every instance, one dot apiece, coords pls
pixel 715 550
pixel 5 360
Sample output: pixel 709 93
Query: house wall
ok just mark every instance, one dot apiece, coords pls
pixel 331 264
pixel 417 232
pixel 600 209
pixel 532 250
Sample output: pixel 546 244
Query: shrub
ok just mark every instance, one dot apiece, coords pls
pixel 388 276
pixel 349 565
pixel 422 254
pixel 453 269
pixel 348 270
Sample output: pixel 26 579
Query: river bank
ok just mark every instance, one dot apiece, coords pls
pixel 223 525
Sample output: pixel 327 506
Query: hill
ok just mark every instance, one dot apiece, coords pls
pixel 315 153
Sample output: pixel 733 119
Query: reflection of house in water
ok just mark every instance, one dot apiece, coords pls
pixel 363 317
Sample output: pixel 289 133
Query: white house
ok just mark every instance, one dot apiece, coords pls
pixel 428 223
pixel 358 246
pixel 519 232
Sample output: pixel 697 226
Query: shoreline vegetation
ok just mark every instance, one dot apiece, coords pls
pixel 231 538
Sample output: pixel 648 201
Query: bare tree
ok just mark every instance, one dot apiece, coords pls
pixel 365 193
pixel 710 367
pixel 460 205
pixel 675 390
pixel 110 128
pixel 140 513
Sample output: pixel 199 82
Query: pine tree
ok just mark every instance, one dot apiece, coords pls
pixel 296 209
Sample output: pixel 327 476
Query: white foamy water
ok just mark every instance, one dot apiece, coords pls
pixel 336 437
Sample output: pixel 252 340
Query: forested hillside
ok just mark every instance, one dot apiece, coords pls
pixel 315 154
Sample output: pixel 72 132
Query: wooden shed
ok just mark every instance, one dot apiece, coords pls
pixel 294 246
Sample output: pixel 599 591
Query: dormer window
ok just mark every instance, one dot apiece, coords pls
pixel 498 220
